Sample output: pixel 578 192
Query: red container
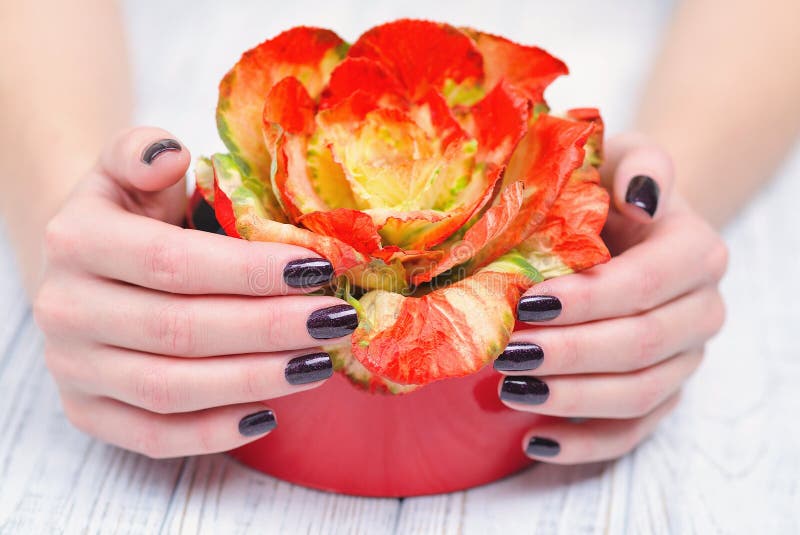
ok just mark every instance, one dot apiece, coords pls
pixel 447 436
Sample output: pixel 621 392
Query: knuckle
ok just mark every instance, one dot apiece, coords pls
pixel 76 414
pixel 716 262
pixel 61 367
pixel 651 338
pixel 155 391
pixel 59 238
pixel 274 327
pixel 148 441
pixel 648 392
pixel 255 268
pixel 567 352
pixel 715 315
pixel 173 329
pixel 207 435
pixel 50 308
pixel 167 264
pixel 647 286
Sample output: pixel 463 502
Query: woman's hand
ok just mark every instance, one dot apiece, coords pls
pixel 164 340
pixel 615 344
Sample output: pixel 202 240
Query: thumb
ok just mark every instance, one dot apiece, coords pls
pixel 145 159
pixel 639 175
pixel 148 164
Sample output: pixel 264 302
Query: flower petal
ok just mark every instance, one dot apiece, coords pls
pixel 528 68
pixel 421 54
pixel 569 240
pixel 240 210
pixel 350 226
pixel 288 122
pixel 490 225
pixel 309 54
pixel 498 122
pixel 544 160
pixel 363 74
pixel 450 332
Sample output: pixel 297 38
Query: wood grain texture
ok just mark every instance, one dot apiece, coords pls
pixel 725 462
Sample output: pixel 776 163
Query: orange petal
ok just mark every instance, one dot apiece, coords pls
pixel 544 160
pixel 498 122
pixel 421 54
pixel 528 68
pixel 288 117
pixel 450 332
pixel 309 54
pixel 350 226
pixel 569 239
pixel 491 224
pixel 363 74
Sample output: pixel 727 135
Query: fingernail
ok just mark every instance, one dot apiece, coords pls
pixel 643 192
pixel 538 308
pixel 309 369
pixel 332 322
pixel 523 389
pixel 163 145
pixel 542 447
pixel 307 272
pixel 258 423
pixel 519 357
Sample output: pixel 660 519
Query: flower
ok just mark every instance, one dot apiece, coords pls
pixel 424 163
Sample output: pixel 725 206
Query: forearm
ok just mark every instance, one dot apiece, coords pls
pixel 65 88
pixel 723 98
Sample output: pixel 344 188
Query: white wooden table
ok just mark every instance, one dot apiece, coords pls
pixel 727 461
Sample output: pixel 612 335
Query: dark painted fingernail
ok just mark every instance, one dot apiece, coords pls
pixel 643 192
pixel 307 272
pixel 309 369
pixel 538 308
pixel 519 357
pixel 332 322
pixel 152 151
pixel 523 389
pixel 542 447
pixel 258 423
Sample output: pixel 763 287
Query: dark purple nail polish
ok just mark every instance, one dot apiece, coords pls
pixel 519 357
pixel 542 447
pixel 258 423
pixel 152 151
pixel 332 322
pixel 643 192
pixel 307 272
pixel 538 308
pixel 309 369
pixel 524 389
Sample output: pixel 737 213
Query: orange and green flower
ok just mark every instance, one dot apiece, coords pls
pixel 425 165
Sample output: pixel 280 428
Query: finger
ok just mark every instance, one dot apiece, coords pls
pixel 618 344
pixel 189 326
pixel 627 395
pixel 168 384
pixel 145 159
pixel 682 253
pixel 153 254
pixel 564 442
pixel 641 176
pixel 168 435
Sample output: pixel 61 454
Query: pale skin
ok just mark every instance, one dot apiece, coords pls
pixel 141 360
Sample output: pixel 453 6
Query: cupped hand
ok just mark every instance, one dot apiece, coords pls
pixel 610 348
pixel 165 340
